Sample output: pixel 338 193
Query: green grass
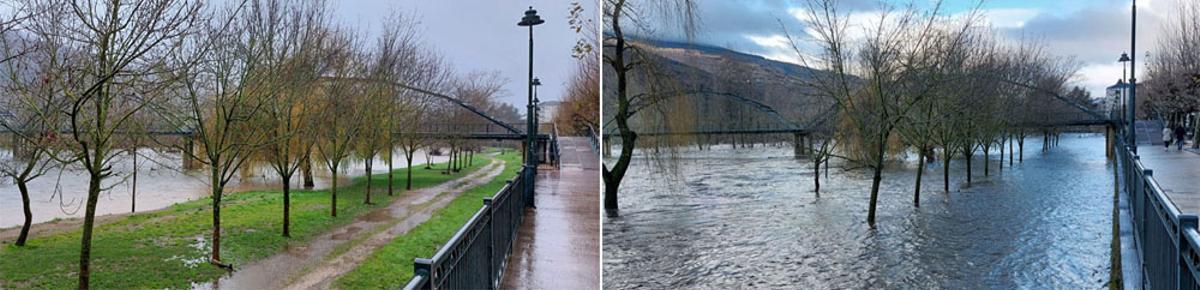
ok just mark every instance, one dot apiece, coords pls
pixel 391 266
pixel 168 248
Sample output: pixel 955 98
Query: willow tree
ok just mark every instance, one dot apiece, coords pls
pixel 622 20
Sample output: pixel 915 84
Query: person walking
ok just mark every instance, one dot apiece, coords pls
pixel 1166 138
pixel 1180 136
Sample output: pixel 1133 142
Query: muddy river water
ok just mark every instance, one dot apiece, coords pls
pixel 161 183
pixel 747 218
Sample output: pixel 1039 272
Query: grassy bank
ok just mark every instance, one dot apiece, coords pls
pixel 169 248
pixel 391 266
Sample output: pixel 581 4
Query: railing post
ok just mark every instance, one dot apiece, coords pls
pixel 1181 269
pixel 491 243
pixel 423 266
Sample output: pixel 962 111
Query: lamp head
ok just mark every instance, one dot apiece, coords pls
pixel 531 18
pixel 1124 57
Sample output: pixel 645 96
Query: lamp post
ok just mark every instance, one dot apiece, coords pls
pixel 1124 91
pixel 1132 100
pixel 537 111
pixel 530 19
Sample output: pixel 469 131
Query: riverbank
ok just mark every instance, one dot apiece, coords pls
pixel 169 248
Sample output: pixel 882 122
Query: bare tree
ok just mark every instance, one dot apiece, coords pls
pixel 341 98
pixel 29 97
pixel 110 71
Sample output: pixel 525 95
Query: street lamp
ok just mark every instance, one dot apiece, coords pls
pixel 530 19
pixel 1132 83
pixel 1124 59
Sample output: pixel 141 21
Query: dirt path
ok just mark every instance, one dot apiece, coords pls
pixel 308 265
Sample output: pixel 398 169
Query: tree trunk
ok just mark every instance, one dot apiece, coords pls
pixel 28 213
pixel 306 172
pixel 370 160
pixel 946 153
pixel 133 192
pixel 408 170
pixel 881 151
pixel 333 193
pixel 216 233
pixel 986 157
pixel 920 172
pixel 817 177
pixel 89 220
pixel 391 156
pixel 287 205
pixel 1010 152
pixel 1021 149
pixel 968 152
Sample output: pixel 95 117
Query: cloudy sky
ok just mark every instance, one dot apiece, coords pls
pixel 1093 32
pixel 482 35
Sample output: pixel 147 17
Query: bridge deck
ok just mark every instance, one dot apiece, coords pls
pixel 1176 172
pixel 558 245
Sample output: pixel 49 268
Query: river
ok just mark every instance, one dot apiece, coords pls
pixel 747 218
pixel 161 182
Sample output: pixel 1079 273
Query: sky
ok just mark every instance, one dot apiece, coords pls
pixel 482 35
pixel 1093 32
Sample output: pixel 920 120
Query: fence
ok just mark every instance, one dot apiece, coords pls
pixel 1166 239
pixel 475 258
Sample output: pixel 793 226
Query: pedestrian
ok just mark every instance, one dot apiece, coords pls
pixel 1180 135
pixel 1166 138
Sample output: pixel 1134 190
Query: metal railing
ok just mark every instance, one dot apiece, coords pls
pixel 593 139
pixel 475 258
pixel 1166 239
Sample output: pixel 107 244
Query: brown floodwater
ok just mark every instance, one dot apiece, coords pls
pixel 59 194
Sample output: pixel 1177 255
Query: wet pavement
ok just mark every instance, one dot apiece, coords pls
pixel 558 245
pixel 308 265
pixel 1176 171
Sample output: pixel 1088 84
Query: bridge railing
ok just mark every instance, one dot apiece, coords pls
pixel 475 258
pixel 1166 239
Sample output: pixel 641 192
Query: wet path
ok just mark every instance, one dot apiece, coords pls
pixel 748 218
pixel 1176 171
pixel 307 265
pixel 558 245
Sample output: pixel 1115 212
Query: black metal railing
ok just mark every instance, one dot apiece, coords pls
pixel 476 256
pixel 1166 239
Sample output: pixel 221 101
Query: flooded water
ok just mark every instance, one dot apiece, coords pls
pixel 161 183
pixel 747 218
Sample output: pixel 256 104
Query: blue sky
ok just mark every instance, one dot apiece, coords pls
pixel 1093 32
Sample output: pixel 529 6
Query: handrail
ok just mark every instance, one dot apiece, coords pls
pixel 1167 239
pixel 476 256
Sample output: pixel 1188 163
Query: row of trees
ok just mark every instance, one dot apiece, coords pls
pixel 1172 79
pixel 911 80
pixel 250 83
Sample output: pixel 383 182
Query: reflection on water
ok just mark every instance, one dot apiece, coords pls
pixel 747 218
pixel 160 184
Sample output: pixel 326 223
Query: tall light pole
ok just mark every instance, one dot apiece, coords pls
pixel 1124 91
pixel 530 19
pixel 1133 79
pixel 537 109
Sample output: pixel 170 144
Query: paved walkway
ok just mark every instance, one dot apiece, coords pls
pixel 1177 173
pixel 558 246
